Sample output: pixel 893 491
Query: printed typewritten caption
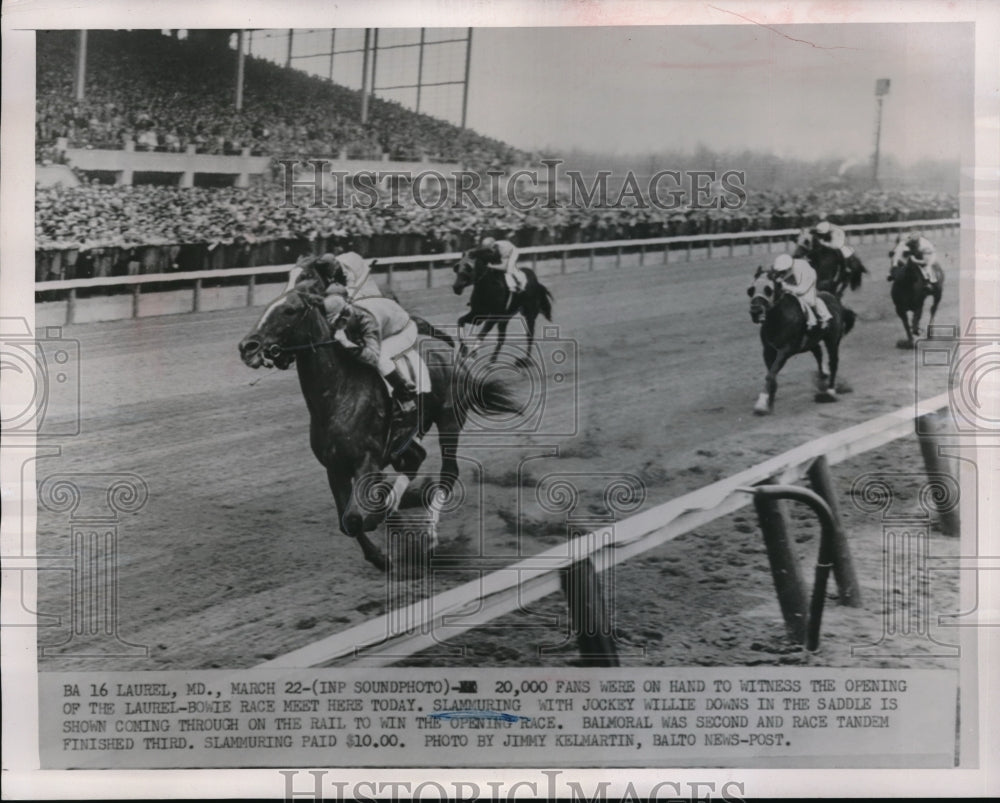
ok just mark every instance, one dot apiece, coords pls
pixel 610 717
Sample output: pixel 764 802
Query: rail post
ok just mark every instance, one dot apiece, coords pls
pixel 588 615
pixel 840 553
pixel 688 250
pixel 250 290
pixel 642 255
pixel 783 561
pixel 666 253
pixel 562 262
pixel 136 291
pixel 618 257
pixel 430 275
pixel 71 305
pixel 732 247
pixel 196 296
pixel 534 262
pixel 388 276
pixel 711 249
pixel 927 426
pixel 590 259
pixel 784 566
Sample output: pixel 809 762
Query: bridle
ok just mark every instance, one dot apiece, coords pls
pixel 309 304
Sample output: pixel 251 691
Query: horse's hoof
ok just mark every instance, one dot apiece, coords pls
pixel 844 387
pixel 826 396
pixel 904 344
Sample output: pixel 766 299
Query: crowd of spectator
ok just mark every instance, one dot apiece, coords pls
pixel 165 94
pixel 246 223
pixel 161 93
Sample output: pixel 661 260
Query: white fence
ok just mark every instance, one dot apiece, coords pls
pixel 380 641
pixel 668 248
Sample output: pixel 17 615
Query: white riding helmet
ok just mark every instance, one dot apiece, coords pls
pixel 782 262
pixel 335 300
pixel 353 263
pixel 823 227
pixel 488 242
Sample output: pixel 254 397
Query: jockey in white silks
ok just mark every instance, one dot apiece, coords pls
pixel 833 237
pixel 921 252
pixel 353 268
pixel 503 256
pixel 798 278
pixel 379 332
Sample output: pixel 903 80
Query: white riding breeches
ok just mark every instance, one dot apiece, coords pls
pixel 399 351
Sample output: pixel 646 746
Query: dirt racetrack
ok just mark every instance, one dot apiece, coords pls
pixel 236 559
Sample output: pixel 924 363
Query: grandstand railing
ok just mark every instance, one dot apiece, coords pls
pixel 382 641
pixel 669 249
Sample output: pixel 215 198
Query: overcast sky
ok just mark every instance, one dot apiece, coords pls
pixel 797 90
pixel 802 91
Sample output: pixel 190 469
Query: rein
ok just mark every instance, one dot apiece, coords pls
pixel 276 349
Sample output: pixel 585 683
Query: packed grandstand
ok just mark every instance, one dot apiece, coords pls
pixel 152 92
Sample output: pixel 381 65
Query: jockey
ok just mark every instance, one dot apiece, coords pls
pixel 920 251
pixel 798 277
pixel 830 236
pixel 503 256
pixel 379 332
pixel 349 270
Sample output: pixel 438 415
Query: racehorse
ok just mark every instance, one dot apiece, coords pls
pixel 833 274
pixel 491 302
pixel 909 291
pixel 783 333
pixel 349 407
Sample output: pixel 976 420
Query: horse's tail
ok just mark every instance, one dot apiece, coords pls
pixel 426 328
pixel 482 392
pixel 545 301
pixel 849 318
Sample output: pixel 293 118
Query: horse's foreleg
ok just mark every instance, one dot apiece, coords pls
pixel 501 336
pixel 917 314
pixel 906 327
pixel 771 380
pixel 351 516
pixel 762 406
pixel 529 322
pixel 934 306
pixel 817 352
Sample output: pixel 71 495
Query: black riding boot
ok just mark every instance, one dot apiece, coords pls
pixel 405 453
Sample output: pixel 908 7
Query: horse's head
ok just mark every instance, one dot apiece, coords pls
pixel 281 329
pixel 763 292
pixel 466 271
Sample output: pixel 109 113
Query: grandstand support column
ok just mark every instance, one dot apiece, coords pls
pixel 239 70
pixel 465 86
pixel 420 67
pixel 364 77
pixel 81 65
pixel 288 55
pixel 333 49
pixel 374 62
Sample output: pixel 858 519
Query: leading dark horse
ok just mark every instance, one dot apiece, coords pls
pixel 491 302
pixel 783 333
pixel 909 292
pixel 349 407
pixel 834 272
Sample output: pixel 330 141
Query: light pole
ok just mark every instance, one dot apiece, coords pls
pixel 881 90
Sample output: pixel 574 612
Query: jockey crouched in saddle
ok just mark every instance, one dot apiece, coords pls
pixel 503 256
pixel 833 237
pixel 921 253
pixel 378 331
pixel 798 278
